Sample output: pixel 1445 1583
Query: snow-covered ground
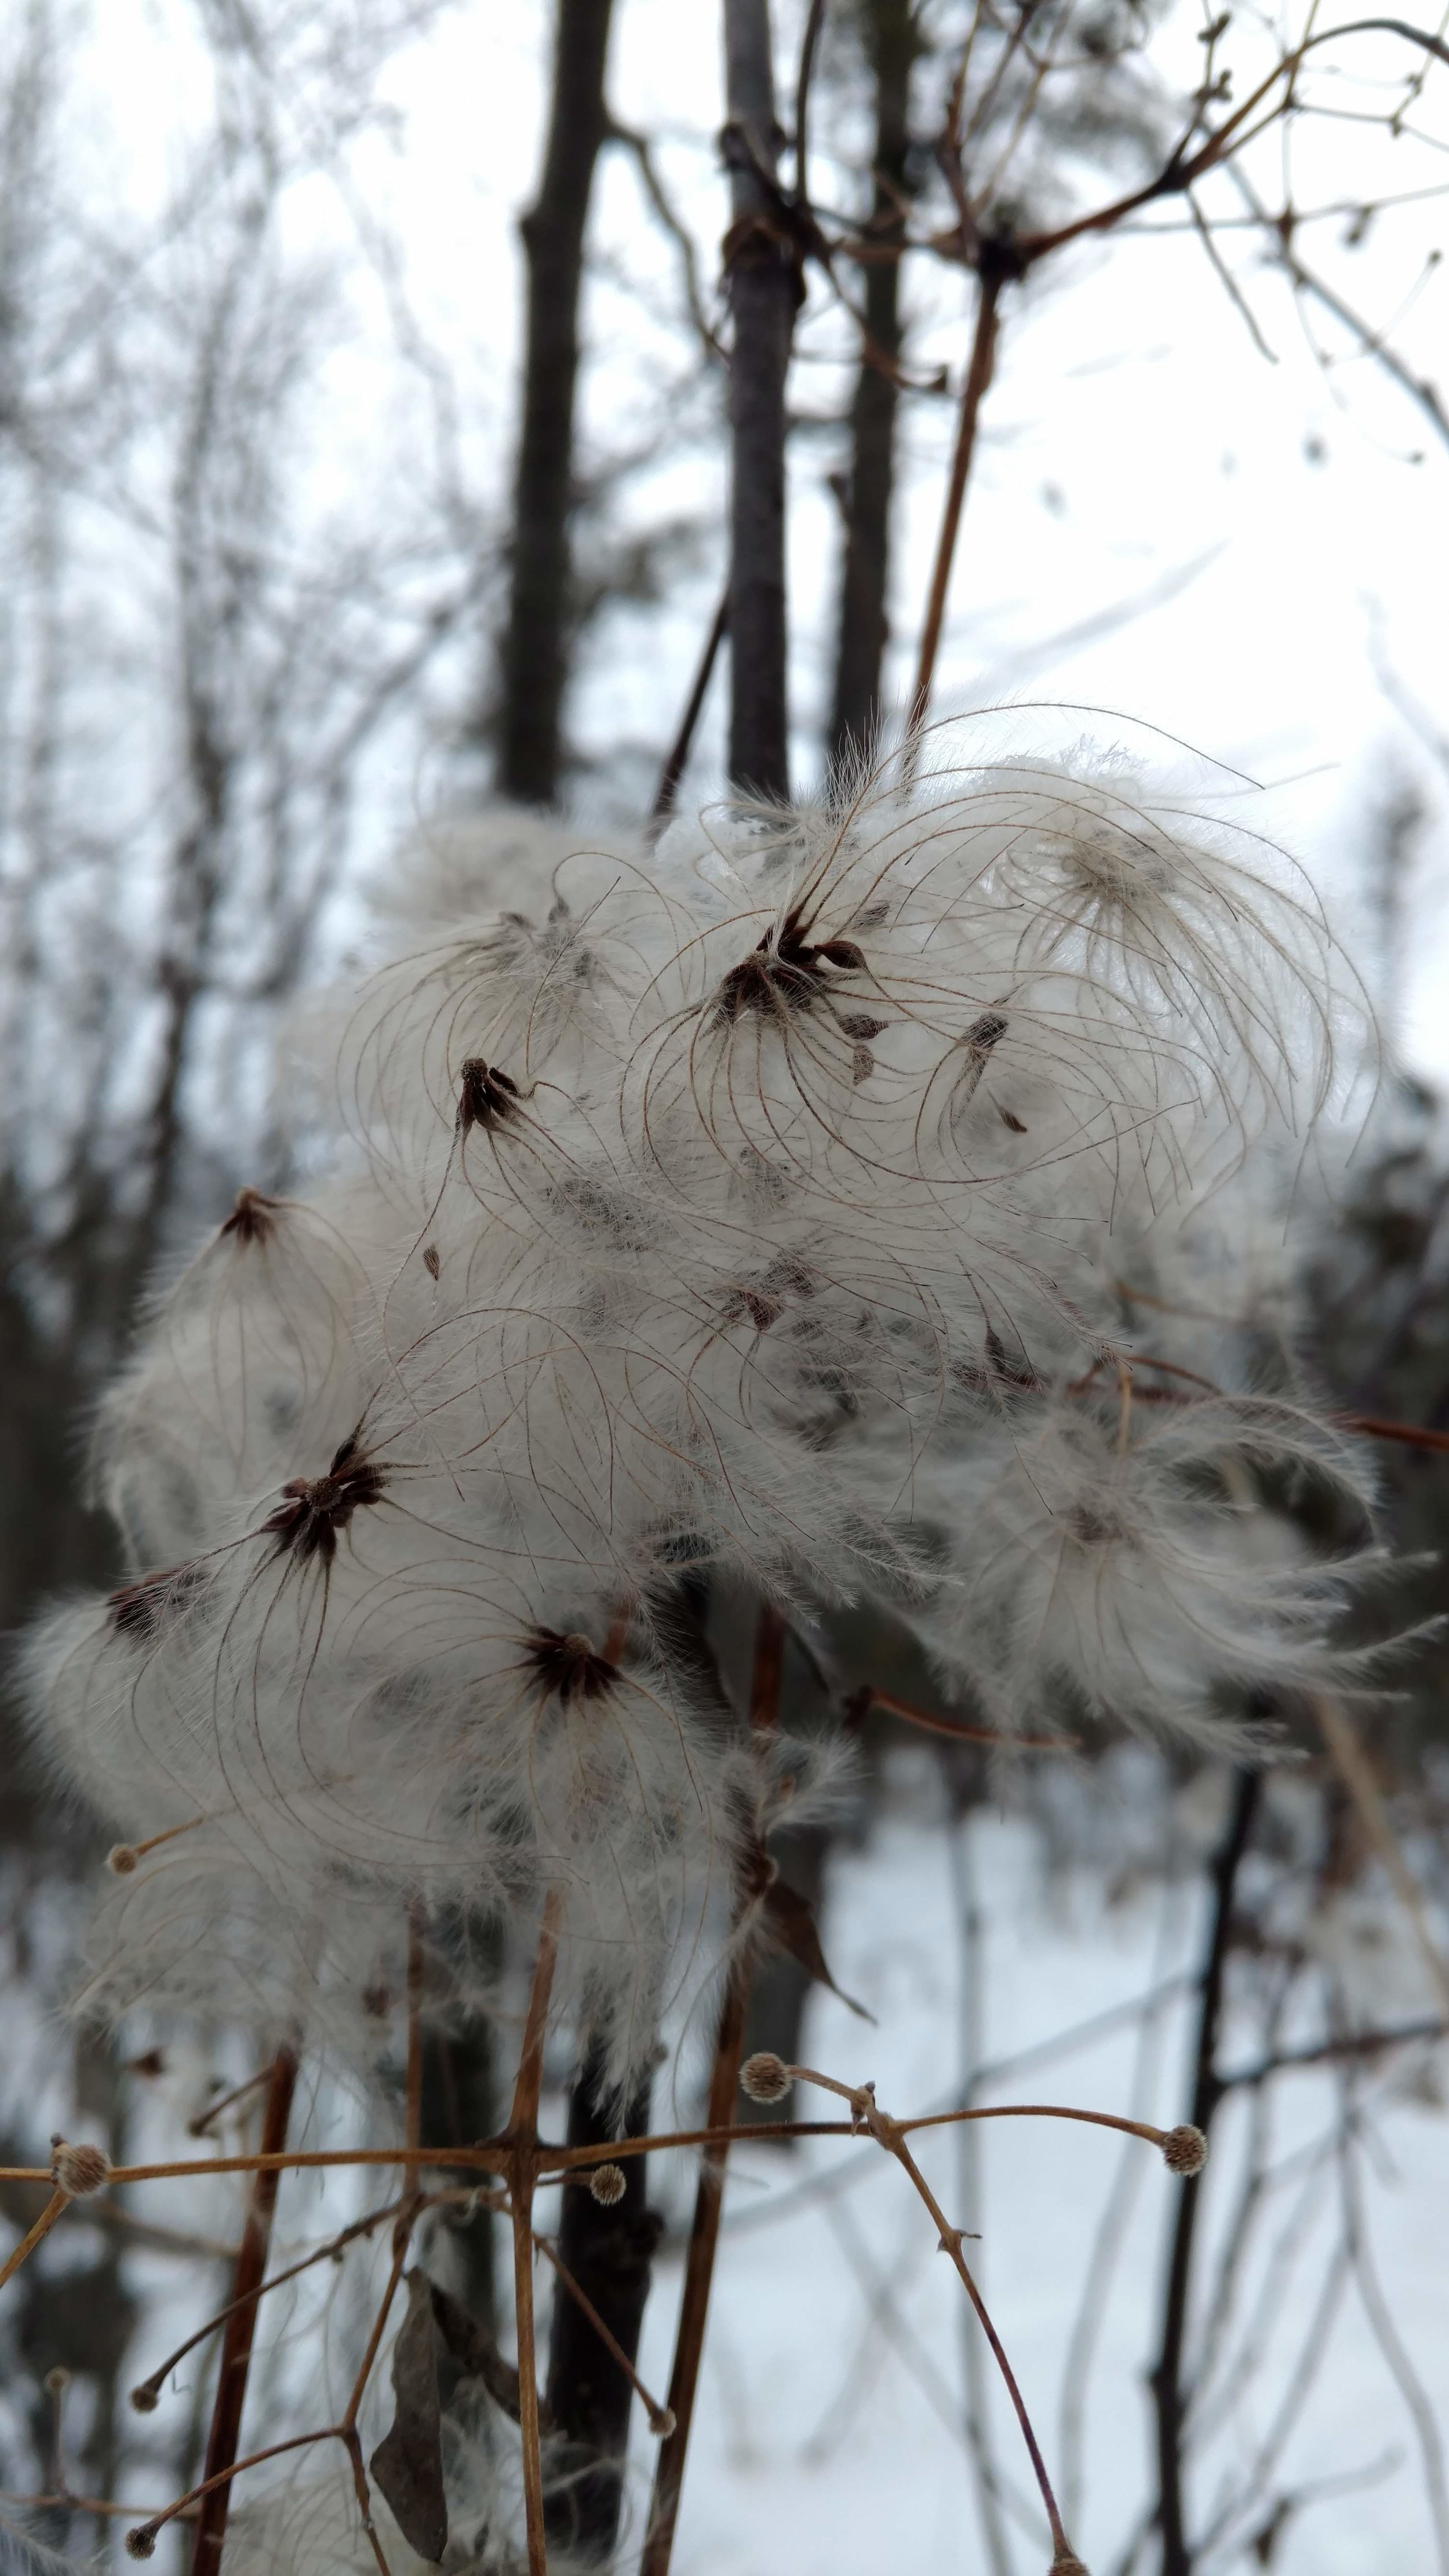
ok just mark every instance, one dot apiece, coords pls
pixel 829 2435
pixel 841 2363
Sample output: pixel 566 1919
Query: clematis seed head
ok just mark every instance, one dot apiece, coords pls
pixel 765 2077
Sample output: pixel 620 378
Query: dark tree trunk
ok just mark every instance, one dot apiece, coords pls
pixel 460 2104
pixel 779 1985
pixel 764 292
pixel 534 653
pixel 892 45
pixel 1169 2392
pixel 608 2252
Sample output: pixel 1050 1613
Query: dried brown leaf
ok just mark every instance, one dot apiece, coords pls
pixel 408 2462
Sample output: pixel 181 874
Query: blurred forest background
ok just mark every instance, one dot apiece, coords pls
pixel 336 501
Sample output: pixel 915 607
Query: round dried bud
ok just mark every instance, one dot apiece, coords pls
pixel 606 2182
pixel 78 2170
pixel 1184 2150
pixel 146 2398
pixel 765 2077
pixel 121 1859
pixel 141 2543
pixel 57 2381
pixel 662 2423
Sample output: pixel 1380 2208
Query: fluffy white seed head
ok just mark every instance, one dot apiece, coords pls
pixel 771 1203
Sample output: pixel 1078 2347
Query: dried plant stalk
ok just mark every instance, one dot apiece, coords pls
pixel 704 2230
pixel 241 2325
pixel 978 378
pixel 1356 1772
pixel 522 2174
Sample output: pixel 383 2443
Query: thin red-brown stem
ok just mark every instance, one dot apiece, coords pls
pixel 1374 1426
pixel 347 2435
pixel 704 2231
pixel 950 2239
pixel 494 2155
pixel 198 2127
pixel 58 2201
pixel 1357 1774
pixel 413 2114
pixel 955 1726
pixel 241 2325
pixel 891 2134
pixel 219 2483
pixel 611 2342
pixel 379 2322
pixel 676 758
pixel 522 2175
pixel 151 2386
pixel 401 2235
pixel 73 2504
pixel 978 377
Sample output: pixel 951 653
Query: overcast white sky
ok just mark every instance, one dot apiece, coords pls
pixel 1281 535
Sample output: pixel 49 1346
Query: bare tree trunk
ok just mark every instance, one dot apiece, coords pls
pixel 459 2102
pixel 1168 2391
pixel 764 293
pixel 892 44
pixel 609 2252
pixel 553 240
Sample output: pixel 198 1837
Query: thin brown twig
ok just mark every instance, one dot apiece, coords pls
pixel 890 2134
pixel 347 2435
pixel 522 2175
pixel 1327 2052
pixel 676 759
pixel 978 377
pixel 808 43
pixel 198 2127
pixel 236 2350
pixel 1356 1772
pixel 413 2113
pixel 18 2254
pixel 870 1697
pixel 709 2195
pixel 73 2504
pixel 141 2542
pixel 494 2155
pixel 146 2391
pixel 659 2416
pixel 379 2328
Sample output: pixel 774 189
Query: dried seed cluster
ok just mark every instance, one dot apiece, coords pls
pixel 1184 2150
pixel 79 2170
pixel 765 2077
pixel 762 1203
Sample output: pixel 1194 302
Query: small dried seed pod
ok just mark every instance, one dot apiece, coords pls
pixel 606 2182
pixel 56 2382
pixel 253 1219
pixel 1184 2150
pixel 765 2077
pixel 146 2398
pixel 662 2422
pixel 315 1509
pixel 78 2170
pixel 121 1858
pixel 568 1668
pixel 141 2543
